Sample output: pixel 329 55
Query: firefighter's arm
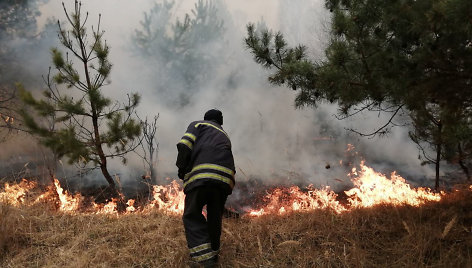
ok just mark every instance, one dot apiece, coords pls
pixel 184 148
pixel 183 159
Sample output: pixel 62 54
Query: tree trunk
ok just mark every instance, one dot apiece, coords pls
pixel 106 174
pixel 152 174
pixel 152 167
pixel 95 115
pixel 101 154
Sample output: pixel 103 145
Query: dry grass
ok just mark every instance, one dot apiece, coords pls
pixel 434 235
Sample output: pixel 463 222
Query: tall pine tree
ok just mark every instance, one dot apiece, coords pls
pixel 88 128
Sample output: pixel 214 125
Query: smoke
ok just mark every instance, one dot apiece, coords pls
pixel 272 141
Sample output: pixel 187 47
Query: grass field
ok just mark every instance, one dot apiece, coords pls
pixel 436 234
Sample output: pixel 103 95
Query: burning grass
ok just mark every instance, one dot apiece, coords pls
pixel 435 234
pixel 380 222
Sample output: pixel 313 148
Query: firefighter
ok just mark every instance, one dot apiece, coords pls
pixel 206 166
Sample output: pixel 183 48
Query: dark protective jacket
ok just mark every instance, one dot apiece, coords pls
pixel 205 157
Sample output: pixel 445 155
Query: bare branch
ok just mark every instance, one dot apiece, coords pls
pixel 382 129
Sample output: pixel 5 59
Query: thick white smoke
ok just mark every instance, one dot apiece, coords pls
pixel 271 139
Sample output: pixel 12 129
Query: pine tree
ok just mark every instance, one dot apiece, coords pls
pixel 76 104
pixel 395 57
pixel 185 48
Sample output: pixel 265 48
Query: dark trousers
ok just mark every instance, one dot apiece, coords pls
pixel 203 235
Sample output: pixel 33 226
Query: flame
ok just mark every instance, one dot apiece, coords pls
pixel 349 148
pixel 285 200
pixel 169 198
pixel 67 202
pixel 16 194
pixel 8 119
pixel 130 207
pixel 109 208
pixel 373 188
pixel 370 188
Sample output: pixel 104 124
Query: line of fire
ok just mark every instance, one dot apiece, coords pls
pixel 369 188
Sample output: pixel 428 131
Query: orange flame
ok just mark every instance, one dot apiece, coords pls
pixel 370 188
pixel 130 207
pixel 15 194
pixel 349 148
pixel 67 202
pixel 284 200
pixel 373 188
pixel 8 119
pixel 170 198
pixel 109 208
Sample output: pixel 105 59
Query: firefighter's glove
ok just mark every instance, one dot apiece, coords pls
pixel 181 174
